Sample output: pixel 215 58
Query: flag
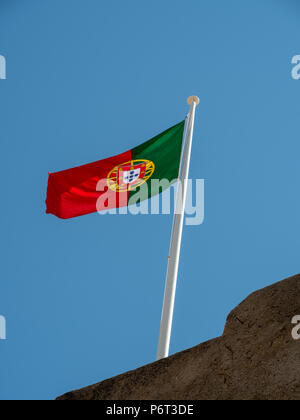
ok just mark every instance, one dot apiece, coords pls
pixel 110 183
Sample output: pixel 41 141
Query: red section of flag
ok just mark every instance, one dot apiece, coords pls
pixel 76 192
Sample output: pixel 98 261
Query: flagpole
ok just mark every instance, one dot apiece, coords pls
pixel 175 246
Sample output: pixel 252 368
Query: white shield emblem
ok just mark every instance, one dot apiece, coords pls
pixel 130 177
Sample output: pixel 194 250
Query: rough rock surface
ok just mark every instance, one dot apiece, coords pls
pixel 255 359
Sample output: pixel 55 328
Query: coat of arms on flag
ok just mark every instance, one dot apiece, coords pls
pixel 130 175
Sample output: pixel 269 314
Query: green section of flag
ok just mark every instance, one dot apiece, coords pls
pixel 164 151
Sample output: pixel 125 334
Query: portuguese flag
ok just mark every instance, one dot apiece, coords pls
pixel 110 183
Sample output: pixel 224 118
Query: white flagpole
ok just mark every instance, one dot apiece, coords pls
pixel 172 274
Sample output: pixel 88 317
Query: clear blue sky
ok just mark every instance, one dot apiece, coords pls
pixel 87 79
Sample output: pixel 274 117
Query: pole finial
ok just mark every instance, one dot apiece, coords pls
pixel 192 99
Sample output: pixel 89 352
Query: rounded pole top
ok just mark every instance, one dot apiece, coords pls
pixel 192 99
